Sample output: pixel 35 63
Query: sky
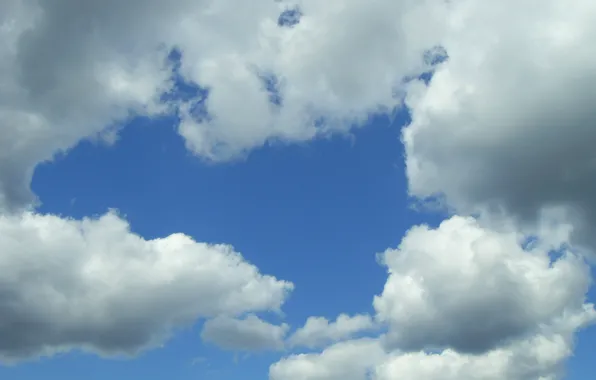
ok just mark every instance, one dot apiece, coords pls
pixel 297 190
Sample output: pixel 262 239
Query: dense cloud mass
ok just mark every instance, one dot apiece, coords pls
pixel 507 122
pixel 67 72
pixel 94 285
pixel 472 289
pixel 244 334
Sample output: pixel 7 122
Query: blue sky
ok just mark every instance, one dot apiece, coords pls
pixel 230 190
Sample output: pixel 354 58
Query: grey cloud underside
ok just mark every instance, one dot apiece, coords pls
pixel 59 67
pixel 468 336
pixel 508 124
pixel 550 162
pixel 27 336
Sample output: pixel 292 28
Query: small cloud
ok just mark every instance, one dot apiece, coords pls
pixel 318 331
pixel 248 334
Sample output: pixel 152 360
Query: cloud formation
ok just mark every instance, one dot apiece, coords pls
pixel 94 285
pixel 465 287
pixel 463 302
pixel 70 72
pixel 538 357
pixel 507 122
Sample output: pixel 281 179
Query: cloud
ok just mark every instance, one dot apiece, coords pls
pixel 465 287
pixel 464 302
pixel 512 115
pixel 350 360
pixel 94 285
pixel 248 334
pixel 341 62
pixel 507 122
pixel 318 331
pixel 70 72
pixel 540 356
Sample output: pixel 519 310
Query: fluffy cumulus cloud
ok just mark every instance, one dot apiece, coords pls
pixel 70 72
pixel 507 122
pixel 319 331
pixel 464 302
pixel 539 357
pixel 351 360
pixel 341 62
pixel 94 285
pixel 473 289
pixel 244 334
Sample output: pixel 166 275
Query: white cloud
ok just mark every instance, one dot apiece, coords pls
pixel 464 302
pixel 473 289
pixel 247 334
pixel 69 72
pixel 94 285
pixel 350 360
pixel 318 331
pixel 507 122
pixel 540 356
pixel 343 61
